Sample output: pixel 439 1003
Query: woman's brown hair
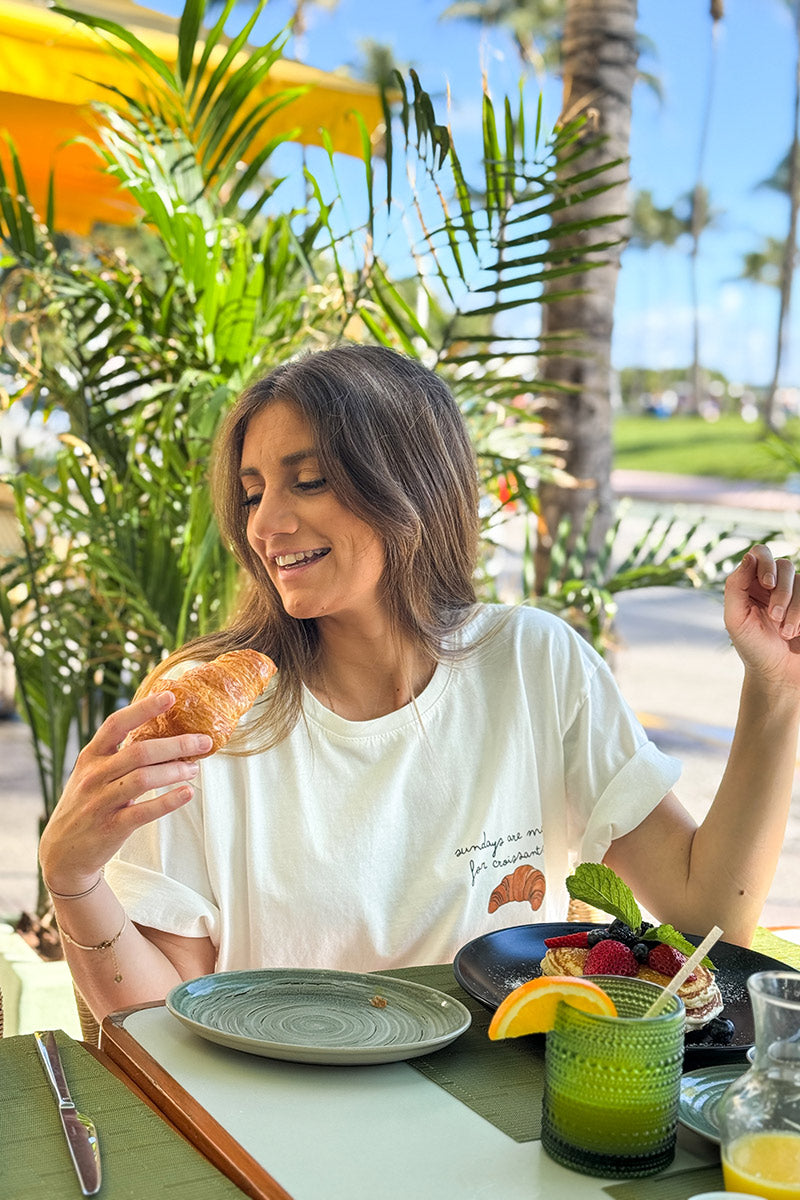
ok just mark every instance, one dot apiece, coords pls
pixel 394 449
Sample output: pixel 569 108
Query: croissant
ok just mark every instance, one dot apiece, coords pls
pixel 210 698
pixel 525 883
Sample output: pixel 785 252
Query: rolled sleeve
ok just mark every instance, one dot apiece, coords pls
pixel 154 899
pixel 631 796
pixel 161 875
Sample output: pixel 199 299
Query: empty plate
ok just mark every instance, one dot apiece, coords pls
pixel 314 1016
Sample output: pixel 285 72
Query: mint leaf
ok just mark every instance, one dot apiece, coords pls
pixel 671 937
pixel 598 885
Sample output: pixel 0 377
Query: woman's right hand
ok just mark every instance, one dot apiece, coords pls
pixel 97 810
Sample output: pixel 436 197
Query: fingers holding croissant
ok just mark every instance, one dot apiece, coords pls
pixel 210 698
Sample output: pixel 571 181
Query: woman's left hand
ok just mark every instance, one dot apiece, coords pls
pixel 762 616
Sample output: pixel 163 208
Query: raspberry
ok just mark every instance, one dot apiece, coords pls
pixel 610 958
pixel 667 960
pixel 579 939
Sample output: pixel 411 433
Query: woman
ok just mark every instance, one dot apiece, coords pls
pixel 416 751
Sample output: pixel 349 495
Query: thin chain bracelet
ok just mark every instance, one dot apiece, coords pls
pixel 75 895
pixel 110 944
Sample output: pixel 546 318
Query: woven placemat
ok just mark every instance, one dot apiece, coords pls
pixel 767 942
pixel 681 1185
pixel 140 1154
pixel 501 1081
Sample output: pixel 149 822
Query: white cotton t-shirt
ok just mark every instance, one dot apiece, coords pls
pixel 367 845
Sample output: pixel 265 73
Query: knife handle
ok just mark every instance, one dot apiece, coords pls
pixel 48 1052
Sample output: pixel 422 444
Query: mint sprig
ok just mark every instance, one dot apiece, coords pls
pixel 598 885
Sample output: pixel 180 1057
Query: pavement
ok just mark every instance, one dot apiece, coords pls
pixel 704 491
pixel 673 662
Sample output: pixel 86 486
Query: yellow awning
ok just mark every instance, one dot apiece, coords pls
pixel 50 69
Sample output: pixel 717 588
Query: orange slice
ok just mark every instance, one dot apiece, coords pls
pixel 531 1007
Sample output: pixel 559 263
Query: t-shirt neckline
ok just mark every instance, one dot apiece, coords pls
pixel 317 712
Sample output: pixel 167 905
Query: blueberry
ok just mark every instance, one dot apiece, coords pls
pixel 641 951
pixel 699 1037
pixel 722 1030
pixel 598 934
pixel 718 1032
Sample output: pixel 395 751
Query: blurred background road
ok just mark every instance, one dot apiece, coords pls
pixel 673 662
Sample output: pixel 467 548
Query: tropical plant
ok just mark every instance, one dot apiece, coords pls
pixel 665 551
pixel 142 347
pixel 595 47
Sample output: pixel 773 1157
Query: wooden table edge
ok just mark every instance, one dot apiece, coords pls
pixel 181 1110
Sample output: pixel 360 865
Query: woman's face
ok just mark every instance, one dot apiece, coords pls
pixel 324 561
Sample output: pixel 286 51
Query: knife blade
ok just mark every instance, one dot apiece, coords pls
pixel 79 1131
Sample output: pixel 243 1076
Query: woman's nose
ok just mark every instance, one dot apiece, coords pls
pixel 274 515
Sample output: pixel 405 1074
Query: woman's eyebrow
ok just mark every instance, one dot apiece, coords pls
pixel 288 460
pixel 291 460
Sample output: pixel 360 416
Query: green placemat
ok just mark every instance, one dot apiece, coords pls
pixel 680 1186
pixel 141 1155
pixel 766 942
pixel 501 1081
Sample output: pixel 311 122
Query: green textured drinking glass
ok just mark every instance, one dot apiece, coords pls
pixel 612 1083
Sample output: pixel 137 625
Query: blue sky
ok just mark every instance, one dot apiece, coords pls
pixel 749 132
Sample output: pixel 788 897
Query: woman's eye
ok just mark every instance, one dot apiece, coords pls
pixel 251 501
pixel 311 485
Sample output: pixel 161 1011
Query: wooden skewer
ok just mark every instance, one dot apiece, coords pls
pixel 686 970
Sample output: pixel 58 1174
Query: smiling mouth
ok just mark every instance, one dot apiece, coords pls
pixel 299 558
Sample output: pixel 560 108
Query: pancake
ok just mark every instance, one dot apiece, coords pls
pixel 701 995
pixel 564 960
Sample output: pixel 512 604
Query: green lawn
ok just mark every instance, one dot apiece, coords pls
pixel 686 445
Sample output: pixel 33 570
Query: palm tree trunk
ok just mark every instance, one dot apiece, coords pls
pixel 599 57
pixel 790 246
pixel 700 215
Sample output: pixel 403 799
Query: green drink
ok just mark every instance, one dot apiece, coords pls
pixel 612 1083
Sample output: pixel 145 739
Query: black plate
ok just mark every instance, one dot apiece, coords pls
pixel 491 966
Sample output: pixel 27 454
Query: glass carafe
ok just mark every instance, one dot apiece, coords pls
pixel 759 1114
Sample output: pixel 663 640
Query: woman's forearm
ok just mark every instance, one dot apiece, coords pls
pixel 113 964
pixel 736 848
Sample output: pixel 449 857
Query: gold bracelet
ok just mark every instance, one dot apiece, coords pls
pixel 75 895
pixel 107 945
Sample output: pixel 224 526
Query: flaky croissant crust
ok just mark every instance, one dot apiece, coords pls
pixel 210 698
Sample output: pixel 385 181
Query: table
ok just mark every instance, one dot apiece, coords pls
pixel 278 1131
pixel 286 1131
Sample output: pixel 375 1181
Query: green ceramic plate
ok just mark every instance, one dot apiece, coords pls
pixel 701 1091
pixel 319 1016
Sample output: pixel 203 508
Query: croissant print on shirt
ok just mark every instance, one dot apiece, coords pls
pixel 525 883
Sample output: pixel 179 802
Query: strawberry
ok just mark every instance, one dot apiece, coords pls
pixel 610 957
pixel 668 961
pixel 579 939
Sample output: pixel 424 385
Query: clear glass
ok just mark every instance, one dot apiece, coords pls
pixel 612 1083
pixel 759 1114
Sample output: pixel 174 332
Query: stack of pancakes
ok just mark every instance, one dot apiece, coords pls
pixel 699 993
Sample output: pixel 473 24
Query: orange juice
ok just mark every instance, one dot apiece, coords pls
pixel 764 1164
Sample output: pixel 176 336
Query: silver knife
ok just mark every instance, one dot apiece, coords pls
pixel 80 1132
